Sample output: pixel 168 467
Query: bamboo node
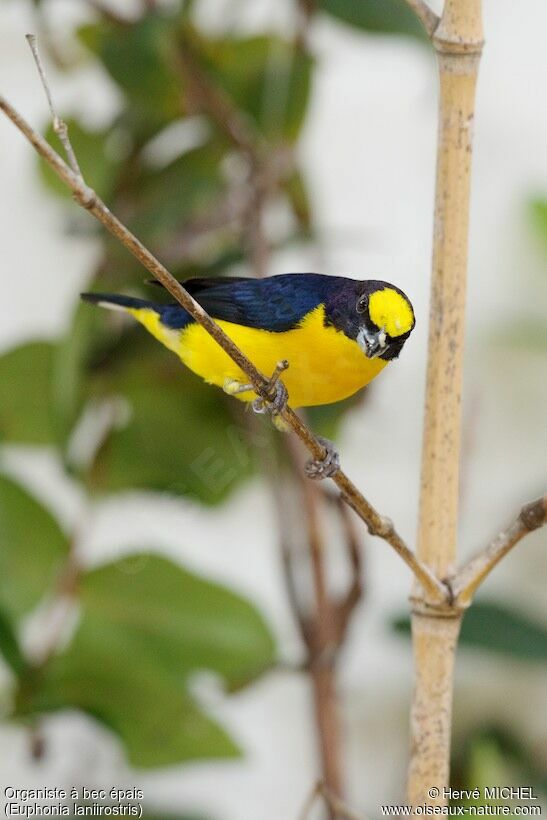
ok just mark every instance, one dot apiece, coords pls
pixel 445 44
pixel 426 608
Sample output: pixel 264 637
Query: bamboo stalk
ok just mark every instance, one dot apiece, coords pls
pixel 458 42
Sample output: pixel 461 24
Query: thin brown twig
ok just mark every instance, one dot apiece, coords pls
pixel 346 606
pixel 265 168
pixel 425 14
pixel 287 557
pixel 59 126
pixel 235 211
pixel 319 630
pixel 255 235
pixel 64 596
pixel 383 527
pixel 318 627
pixel 304 14
pixel 531 517
pixel 88 199
pixel 227 214
pixel 340 809
pixel 209 99
pixel 323 629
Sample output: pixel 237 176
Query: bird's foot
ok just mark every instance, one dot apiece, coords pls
pixel 319 469
pixel 275 403
pixel 276 395
pixel 233 387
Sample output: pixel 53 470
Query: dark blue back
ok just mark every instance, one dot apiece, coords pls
pixel 277 303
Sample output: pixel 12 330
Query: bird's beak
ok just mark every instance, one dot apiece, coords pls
pixel 372 344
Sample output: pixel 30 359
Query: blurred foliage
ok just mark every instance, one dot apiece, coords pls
pixel 491 756
pixel 538 211
pixel 180 436
pixel 9 645
pixel 528 331
pixel 156 647
pixel 145 626
pixel 95 160
pixel 197 116
pixel 498 629
pixel 33 548
pixel 376 16
pixel 25 416
pixel 326 419
pixel 523 332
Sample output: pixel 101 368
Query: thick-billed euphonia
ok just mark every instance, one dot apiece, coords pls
pixel 336 333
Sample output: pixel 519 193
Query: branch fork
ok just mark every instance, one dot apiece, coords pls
pixel 466 582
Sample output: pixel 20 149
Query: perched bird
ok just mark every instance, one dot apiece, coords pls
pixel 336 333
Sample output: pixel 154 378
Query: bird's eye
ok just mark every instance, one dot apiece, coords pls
pixel 362 304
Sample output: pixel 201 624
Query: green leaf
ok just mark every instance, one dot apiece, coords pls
pixel 141 59
pixel 376 16
pixel 187 623
pixel 494 756
pixel 9 645
pixel 187 189
pixel 179 436
pixel 146 625
pixel 500 629
pixel 89 339
pixel 265 76
pixel 522 333
pixel 485 765
pixel 99 165
pixel 297 194
pixel 538 210
pixel 25 384
pixel 107 673
pixel 32 549
pixel 496 628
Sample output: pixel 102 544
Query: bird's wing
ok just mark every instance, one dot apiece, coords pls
pixel 277 303
pixel 196 284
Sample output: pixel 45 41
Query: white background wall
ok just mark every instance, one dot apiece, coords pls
pixel 369 151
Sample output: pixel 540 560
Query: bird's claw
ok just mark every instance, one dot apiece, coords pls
pixel 275 403
pixel 276 396
pixel 318 469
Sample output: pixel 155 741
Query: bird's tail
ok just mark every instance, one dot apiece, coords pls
pixel 115 302
pixel 150 314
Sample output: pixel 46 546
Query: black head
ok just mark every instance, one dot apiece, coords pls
pixel 376 314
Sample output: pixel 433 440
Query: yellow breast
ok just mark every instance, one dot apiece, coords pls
pixel 324 365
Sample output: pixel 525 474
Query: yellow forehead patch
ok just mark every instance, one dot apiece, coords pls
pixel 390 310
